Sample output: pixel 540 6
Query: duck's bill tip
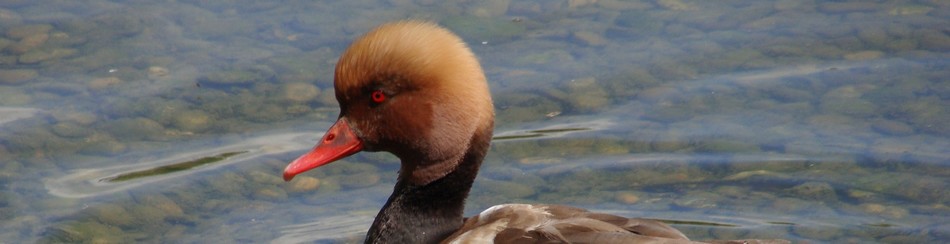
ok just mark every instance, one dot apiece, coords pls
pixel 339 142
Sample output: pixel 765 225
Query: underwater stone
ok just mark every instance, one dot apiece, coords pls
pixel 272 194
pixel 89 231
pixel 156 72
pixel 670 114
pixel 16 76
pixel 71 130
pixel 112 214
pixel 28 43
pixel 135 128
pixel 4 43
pixel 892 127
pixel 520 106
pixel 102 144
pixel 146 216
pixel 590 38
pixel 228 184
pixel 864 55
pixel 934 40
pixel 265 112
pixel 23 31
pixel 359 180
pixel 489 8
pixel 818 191
pixel 507 189
pixel 627 197
pixel 193 120
pixel 41 55
pixel 908 238
pixel 161 110
pixel 300 92
pixel 848 106
pixel 702 200
pixel 9 18
pixel 848 6
pixel 676 5
pixel 790 205
pixel 586 95
pixel 727 146
pixel 548 57
pixel 927 114
pixel 730 233
pixel 910 10
pixel 873 35
pixel 659 94
pixel 820 233
pixel 168 207
pixel 264 178
pixel 102 83
pixel 476 29
pixel 246 75
pixel 623 4
pixel 303 184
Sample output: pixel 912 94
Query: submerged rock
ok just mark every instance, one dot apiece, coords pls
pixel 16 76
pixel 42 55
pixel 820 233
pixel 509 190
pixel 71 130
pixel 112 214
pixel 103 83
pixel 303 184
pixel 28 43
pixel 193 120
pixel 586 94
pixel 818 191
pixel 491 30
pixel 157 72
pixel 135 128
pixel 892 127
pixel 300 92
pixel 23 31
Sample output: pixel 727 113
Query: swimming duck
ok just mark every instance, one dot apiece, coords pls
pixel 414 89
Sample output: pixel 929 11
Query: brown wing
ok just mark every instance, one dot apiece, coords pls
pixel 538 223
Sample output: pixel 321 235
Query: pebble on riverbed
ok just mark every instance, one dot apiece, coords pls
pixel 16 76
pixel 817 191
pixel 112 214
pixel 303 184
pixel 42 55
pixel 193 121
pixel 135 128
pixel 99 84
pixel 300 92
pixel 71 130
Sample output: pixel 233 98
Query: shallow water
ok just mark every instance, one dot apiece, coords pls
pixel 170 121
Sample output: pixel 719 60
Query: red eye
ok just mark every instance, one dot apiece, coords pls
pixel 378 96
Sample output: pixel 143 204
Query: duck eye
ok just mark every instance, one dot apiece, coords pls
pixel 378 96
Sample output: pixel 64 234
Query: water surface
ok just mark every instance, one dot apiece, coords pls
pixel 171 121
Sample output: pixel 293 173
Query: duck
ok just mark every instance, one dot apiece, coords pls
pixel 414 89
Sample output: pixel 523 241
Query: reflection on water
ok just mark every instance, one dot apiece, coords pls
pixel 122 176
pixel 820 121
pixel 13 114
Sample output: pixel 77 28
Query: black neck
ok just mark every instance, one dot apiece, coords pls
pixel 428 213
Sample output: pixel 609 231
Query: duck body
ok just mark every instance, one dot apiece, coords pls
pixel 414 89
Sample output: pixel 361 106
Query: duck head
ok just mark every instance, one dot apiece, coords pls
pixel 410 88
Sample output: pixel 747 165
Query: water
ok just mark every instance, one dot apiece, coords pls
pixel 143 121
